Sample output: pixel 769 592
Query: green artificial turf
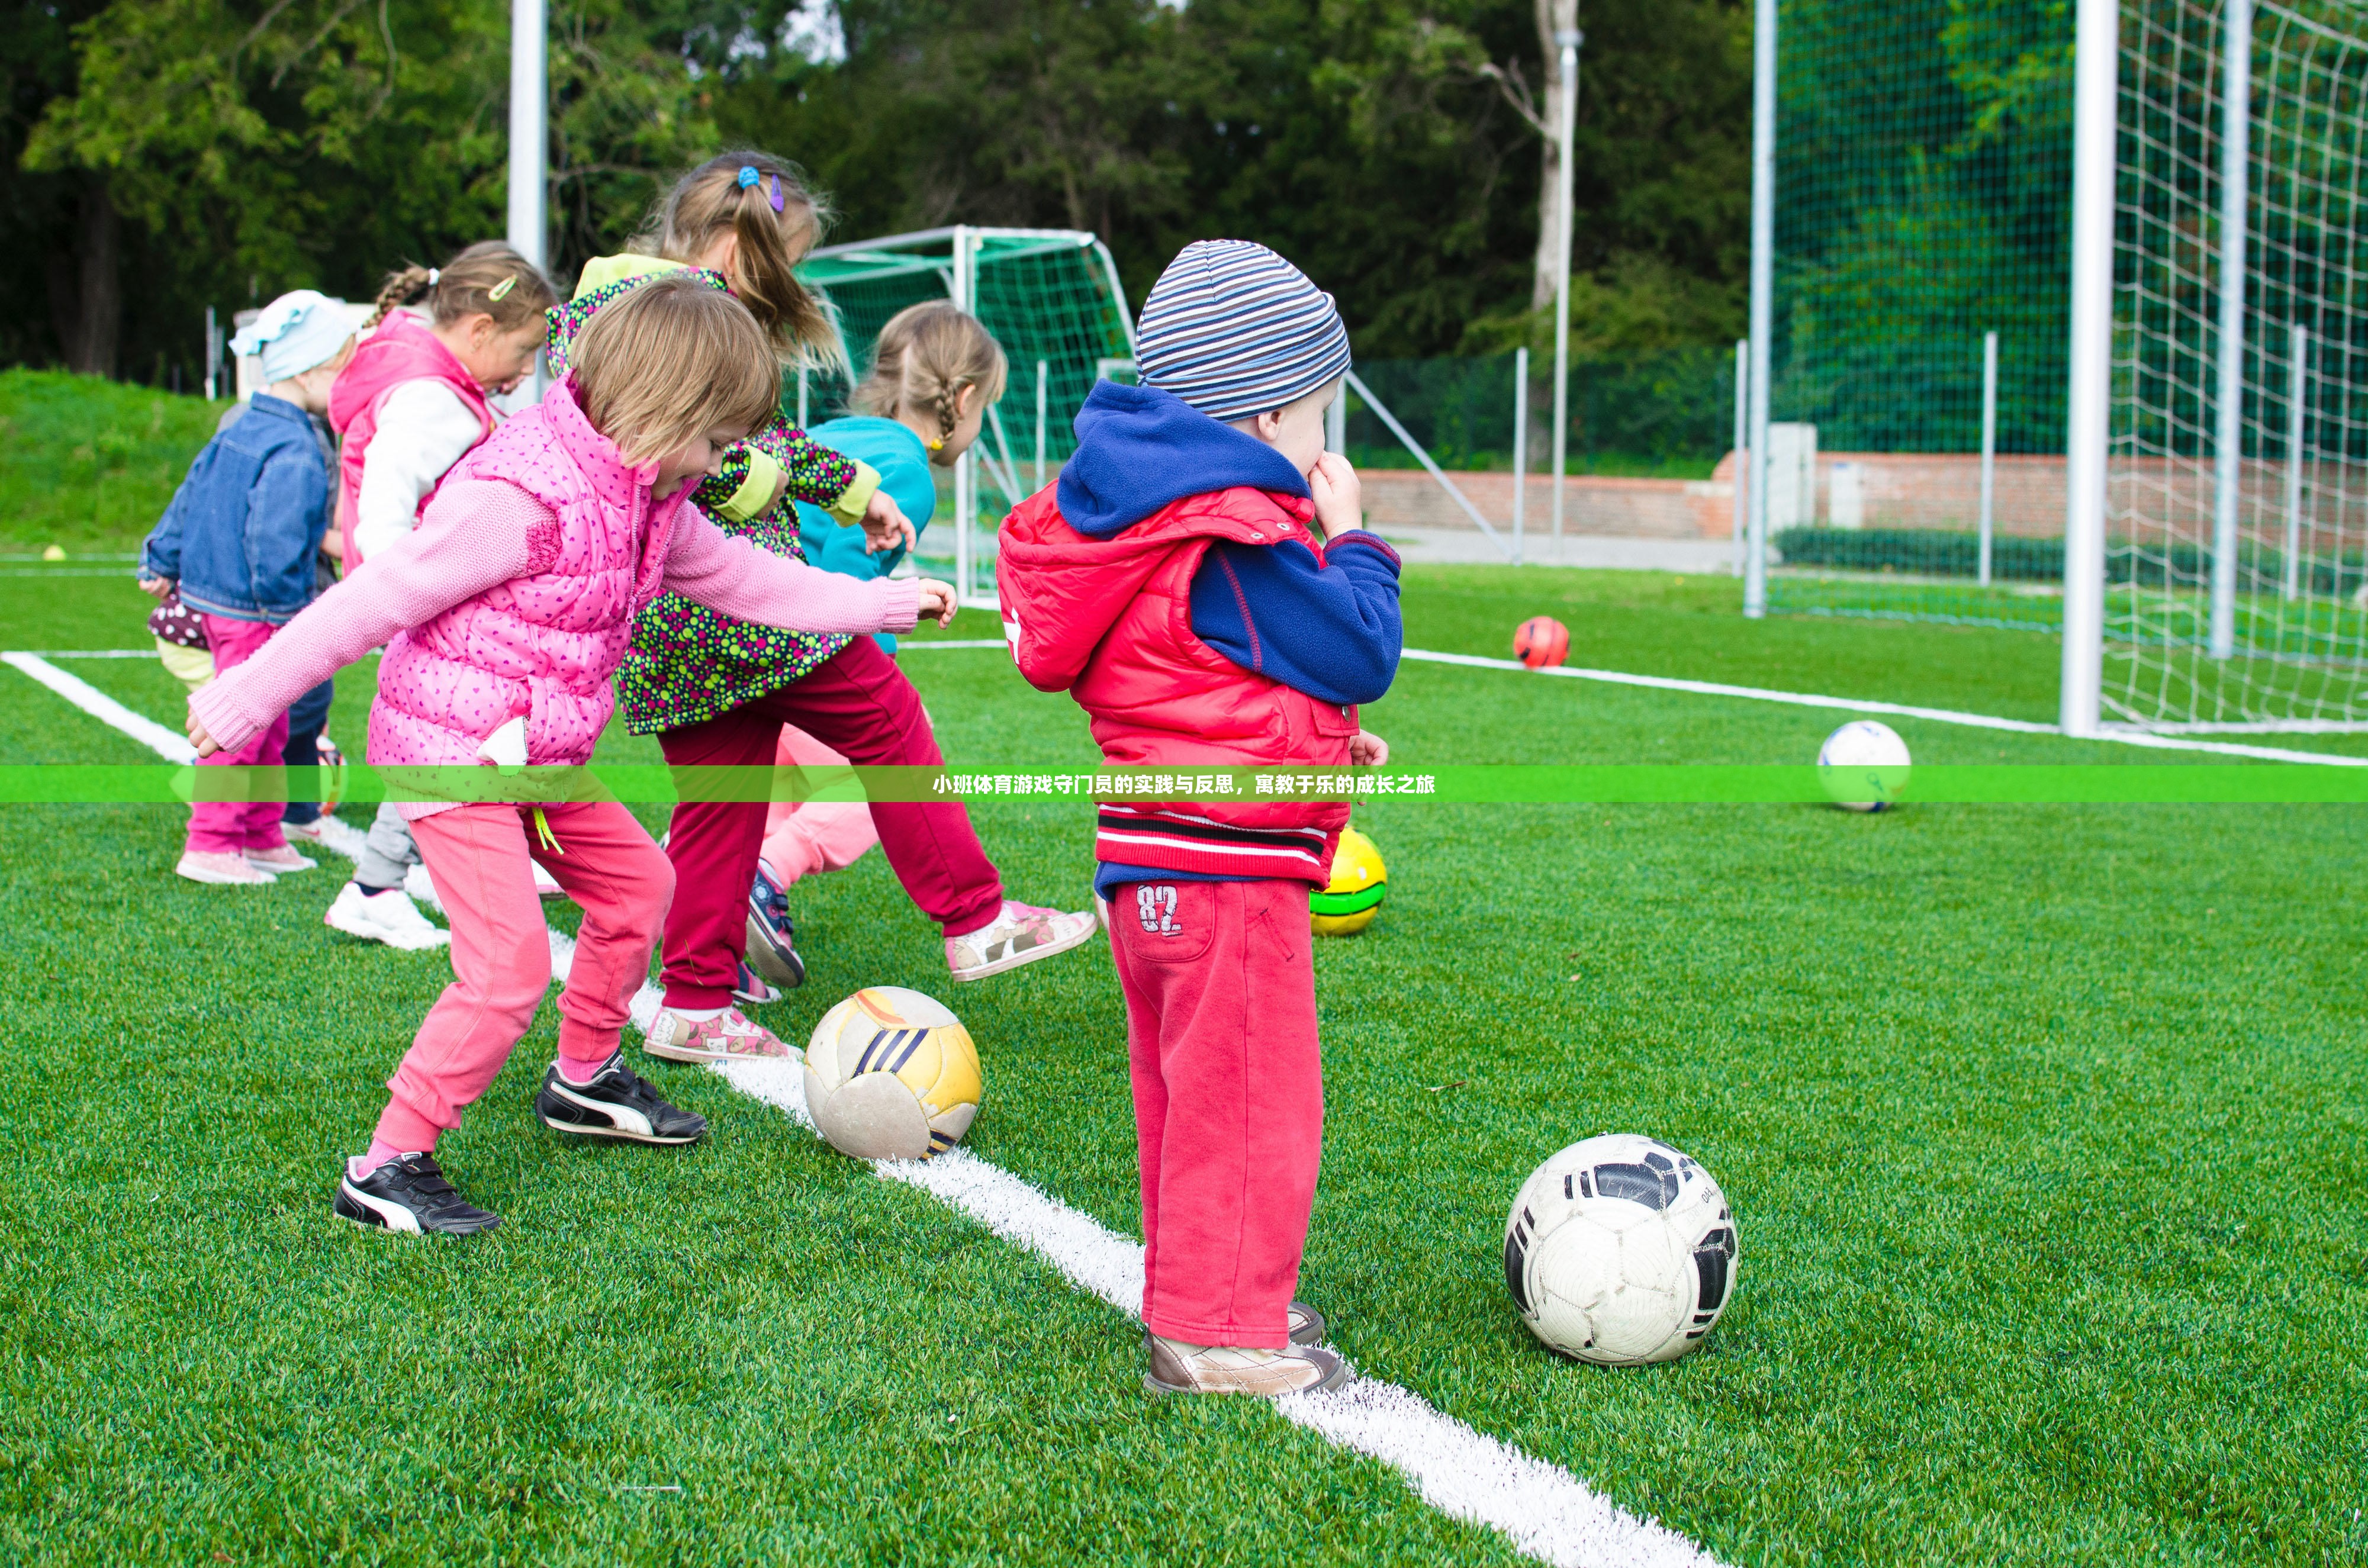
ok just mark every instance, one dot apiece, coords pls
pixel 2043 1126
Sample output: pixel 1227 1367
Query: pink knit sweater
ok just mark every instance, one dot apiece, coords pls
pixel 481 533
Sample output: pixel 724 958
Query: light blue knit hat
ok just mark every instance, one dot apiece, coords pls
pixel 294 332
pixel 1234 330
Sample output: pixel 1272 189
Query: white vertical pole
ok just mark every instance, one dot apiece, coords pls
pixel 1335 421
pixel 1568 42
pixel 965 473
pixel 1043 413
pixel 1763 296
pixel 1742 443
pixel 1989 451
pixel 529 152
pixel 2297 407
pixel 2096 66
pixel 802 397
pixel 2228 446
pixel 1520 447
pixel 213 354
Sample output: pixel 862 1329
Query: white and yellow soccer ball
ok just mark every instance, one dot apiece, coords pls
pixel 892 1075
pixel 1863 765
pixel 1621 1251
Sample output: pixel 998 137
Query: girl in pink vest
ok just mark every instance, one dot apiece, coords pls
pixel 410 405
pixel 505 614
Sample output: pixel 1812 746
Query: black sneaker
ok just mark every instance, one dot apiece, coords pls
pixel 409 1193
pixel 615 1104
pixel 772 935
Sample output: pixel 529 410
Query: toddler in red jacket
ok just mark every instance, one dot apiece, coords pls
pixel 1199 581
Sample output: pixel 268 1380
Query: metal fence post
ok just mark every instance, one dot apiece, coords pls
pixel 1521 446
pixel 1989 448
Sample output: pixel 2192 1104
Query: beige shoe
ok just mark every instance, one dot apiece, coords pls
pixel 279 861
pixel 222 868
pixel 731 1036
pixel 1308 1326
pixel 1020 934
pixel 1178 1367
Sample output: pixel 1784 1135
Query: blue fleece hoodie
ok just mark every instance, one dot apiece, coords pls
pixel 1330 631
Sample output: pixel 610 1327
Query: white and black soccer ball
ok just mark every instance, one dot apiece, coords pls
pixel 1620 1251
pixel 1863 765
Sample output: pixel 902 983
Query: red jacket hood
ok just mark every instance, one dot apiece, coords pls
pixel 1062 592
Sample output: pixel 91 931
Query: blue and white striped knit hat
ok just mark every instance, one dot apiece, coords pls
pixel 1232 329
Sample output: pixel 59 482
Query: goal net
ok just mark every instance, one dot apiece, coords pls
pixel 2237 480
pixel 1919 314
pixel 1052 299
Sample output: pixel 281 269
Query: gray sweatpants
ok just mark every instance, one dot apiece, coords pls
pixel 389 850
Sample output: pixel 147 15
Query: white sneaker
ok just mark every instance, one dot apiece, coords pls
pixel 385 917
pixel 729 1037
pixel 310 832
pixel 1178 1367
pixel 220 868
pixel 1021 934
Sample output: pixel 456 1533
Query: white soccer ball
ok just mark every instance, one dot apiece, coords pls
pixel 890 1074
pixel 1863 765
pixel 1620 1251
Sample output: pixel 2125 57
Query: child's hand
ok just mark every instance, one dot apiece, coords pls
pixel 155 587
pixel 885 525
pixel 1340 498
pixel 207 746
pixel 937 602
pixel 1367 749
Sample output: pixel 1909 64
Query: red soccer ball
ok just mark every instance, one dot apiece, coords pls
pixel 1541 642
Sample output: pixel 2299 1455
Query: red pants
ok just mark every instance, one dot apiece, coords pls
pixel 1220 983
pixel 501 950
pixel 231 827
pixel 858 703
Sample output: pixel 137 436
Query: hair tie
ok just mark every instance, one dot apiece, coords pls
pixel 747 176
pixel 433 274
pixel 501 290
pixel 777 193
pixel 934 444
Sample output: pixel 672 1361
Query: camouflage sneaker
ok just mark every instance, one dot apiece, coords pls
pixel 728 1037
pixel 1178 1367
pixel 1021 934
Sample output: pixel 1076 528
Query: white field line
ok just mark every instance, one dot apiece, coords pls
pixel 105 708
pixel 1904 710
pixel 1544 1510
pixel 147 653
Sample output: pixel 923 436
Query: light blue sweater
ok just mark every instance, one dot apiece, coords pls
pixel 905 474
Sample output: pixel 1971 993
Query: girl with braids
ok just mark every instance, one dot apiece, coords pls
pixel 716 691
pixel 411 405
pixel 934 372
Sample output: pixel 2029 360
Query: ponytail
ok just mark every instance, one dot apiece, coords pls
pixel 777 219
pixel 487 278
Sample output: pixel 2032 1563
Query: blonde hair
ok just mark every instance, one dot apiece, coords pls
pixel 711 201
pixel 670 360
pixel 487 278
pixel 927 354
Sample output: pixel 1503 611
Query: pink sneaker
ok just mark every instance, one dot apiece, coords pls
pixel 222 868
pixel 1021 934
pixel 279 861
pixel 729 1037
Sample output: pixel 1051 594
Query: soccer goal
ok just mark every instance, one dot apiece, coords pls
pixel 2062 319
pixel 1052 299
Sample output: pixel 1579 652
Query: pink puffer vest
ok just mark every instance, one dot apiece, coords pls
pixel 400 351
pixel 543 644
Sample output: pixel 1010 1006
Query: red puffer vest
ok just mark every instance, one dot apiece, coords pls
pixel 1109 621
pixel 400 351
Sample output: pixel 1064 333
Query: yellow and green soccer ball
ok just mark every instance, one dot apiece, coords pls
pixel 1360 881
pixel 892 1075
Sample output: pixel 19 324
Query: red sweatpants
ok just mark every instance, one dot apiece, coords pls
pixel 859 704
pixel 478 856
pixel 1220 983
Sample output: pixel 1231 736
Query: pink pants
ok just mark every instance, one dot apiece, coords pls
pixel 1220 983
pixel 478 856
pixel 232 827
pixel 802 839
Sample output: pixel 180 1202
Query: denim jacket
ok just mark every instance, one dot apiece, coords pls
pixel 240 533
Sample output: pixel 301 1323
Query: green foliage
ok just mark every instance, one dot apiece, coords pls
pixel 88 465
